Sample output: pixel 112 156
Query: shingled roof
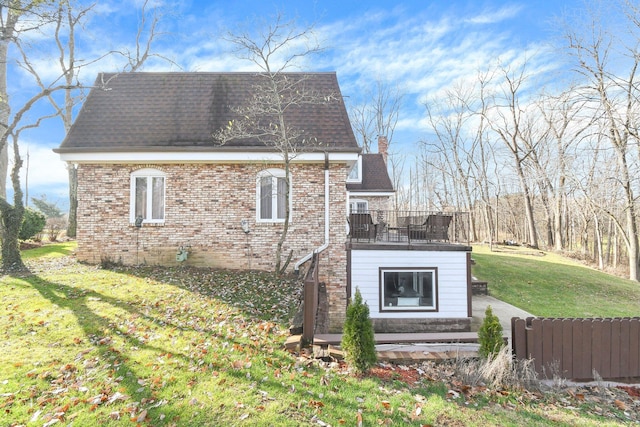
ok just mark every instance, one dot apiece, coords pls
pixel 375 177
pixel 181 111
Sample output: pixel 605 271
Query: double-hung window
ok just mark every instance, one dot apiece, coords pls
pixel 271 196
pixel 147 195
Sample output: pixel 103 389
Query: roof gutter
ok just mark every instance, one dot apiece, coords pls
pixel 325 245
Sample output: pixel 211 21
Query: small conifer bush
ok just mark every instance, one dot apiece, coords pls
pixel 490 335
pixel 357 337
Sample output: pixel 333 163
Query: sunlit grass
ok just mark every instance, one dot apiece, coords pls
pixel 52 250
pixel 546 284
pixel 186 347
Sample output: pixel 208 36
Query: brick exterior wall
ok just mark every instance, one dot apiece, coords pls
pixel 377 203
pixel 204 206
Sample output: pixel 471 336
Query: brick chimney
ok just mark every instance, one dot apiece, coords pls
pixel 383 147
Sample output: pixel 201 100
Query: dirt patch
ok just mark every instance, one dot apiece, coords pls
pixel 631 391
pixel 405 374
pixel 30 245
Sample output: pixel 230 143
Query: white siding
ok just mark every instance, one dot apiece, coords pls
pixel 452 279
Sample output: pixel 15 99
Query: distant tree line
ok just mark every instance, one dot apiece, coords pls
pixel 554 168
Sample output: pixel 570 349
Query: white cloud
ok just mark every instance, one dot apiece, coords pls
pixel 423 54
pixel 495 16
pixel 41 166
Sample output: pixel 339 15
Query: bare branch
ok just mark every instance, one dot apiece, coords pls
pixel 278 47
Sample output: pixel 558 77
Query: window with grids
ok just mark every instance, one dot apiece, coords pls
pixel 358 206
pixel 148 195
pixel 271 196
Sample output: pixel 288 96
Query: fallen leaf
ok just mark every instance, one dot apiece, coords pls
pixel 620 405
pixel 316 404
pixel 116 396
pixel 142 416
pixel 51 422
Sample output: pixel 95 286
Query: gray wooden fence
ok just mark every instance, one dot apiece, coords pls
pixel 576 348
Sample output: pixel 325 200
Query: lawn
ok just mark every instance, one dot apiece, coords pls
pixel 150 346
pixel 548 285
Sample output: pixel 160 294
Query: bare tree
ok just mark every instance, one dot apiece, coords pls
pixel 565 121
pixel 277 49
pixel 66 44
pixel 64 18
pixel 13 12
pixel 612 90
pixel 36 14
pixel 377 115
pixel 484 167
pixel 449 119
pixel 506 119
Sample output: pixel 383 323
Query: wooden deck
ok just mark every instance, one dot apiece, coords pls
pixel 325 340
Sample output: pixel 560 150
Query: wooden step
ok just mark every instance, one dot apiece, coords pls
pixel 405 338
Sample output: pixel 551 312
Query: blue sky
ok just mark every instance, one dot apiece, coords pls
pixel 421 47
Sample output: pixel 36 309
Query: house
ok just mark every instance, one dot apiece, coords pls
pixel 368 184
pixel 156 187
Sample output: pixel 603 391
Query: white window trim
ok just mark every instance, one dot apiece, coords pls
pixel 358 166
pixel 274 173
pixel 408 308
pixel 356 201
pixel 146 173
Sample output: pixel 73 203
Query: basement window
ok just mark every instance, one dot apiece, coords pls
pixel 408 289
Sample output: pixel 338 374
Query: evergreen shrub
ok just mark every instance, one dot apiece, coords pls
pixel 357 337
pixel 490 335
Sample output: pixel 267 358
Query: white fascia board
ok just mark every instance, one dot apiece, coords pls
pixel 370 193
pixel 201 157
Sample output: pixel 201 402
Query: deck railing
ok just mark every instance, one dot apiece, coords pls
pixel 410 227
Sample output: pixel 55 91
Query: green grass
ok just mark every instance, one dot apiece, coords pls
pixel 188 347
pixel 52 250
pixel 548 285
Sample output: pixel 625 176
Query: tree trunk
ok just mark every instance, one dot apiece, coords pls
pixel 73 201
pixel 528 206
pixel 12 219
pixel 557 219
pixel 598 242
pixel 11 222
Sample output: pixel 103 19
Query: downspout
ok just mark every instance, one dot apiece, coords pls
pixel 325 245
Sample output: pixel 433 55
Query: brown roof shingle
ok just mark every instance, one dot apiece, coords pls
pixel 374 175
pixel 147 111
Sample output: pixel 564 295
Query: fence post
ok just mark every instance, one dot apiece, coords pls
pixel 567 347
pixel 634 347
pixel 519 338
pixel 310 303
